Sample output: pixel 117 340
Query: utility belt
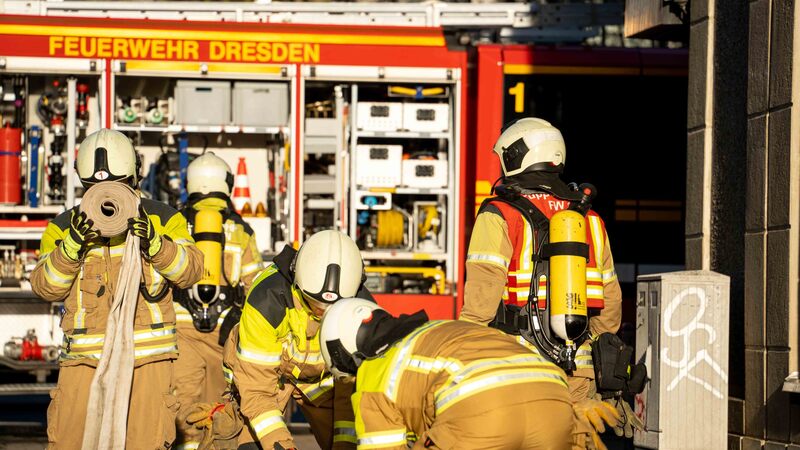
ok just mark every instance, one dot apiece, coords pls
pixel 615 374
pixel 205 316
pixel 521 321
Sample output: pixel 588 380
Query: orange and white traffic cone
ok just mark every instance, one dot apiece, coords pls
pixel 241 189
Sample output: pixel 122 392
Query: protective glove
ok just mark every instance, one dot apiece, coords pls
pixel 81 232
pixel 591 417
pixel 201 416
pixel 227 422
pixel 629 421
pixel 143 227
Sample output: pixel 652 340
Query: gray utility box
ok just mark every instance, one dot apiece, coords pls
pixel 202 102
pixel 260 104
pixel 682 337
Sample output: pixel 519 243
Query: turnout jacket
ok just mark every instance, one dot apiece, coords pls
pixel 452 368
pixel 499 268
pixel 278 345
pixel 499 256
pixel 86 287
pixel 241 258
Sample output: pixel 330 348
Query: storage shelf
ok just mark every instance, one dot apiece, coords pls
pixel 21 233
pixel 403 255
pixel 402 134
pixel 16 389
pixel 231 129
pixel 21 209
pixel 407 190
pixel 18 293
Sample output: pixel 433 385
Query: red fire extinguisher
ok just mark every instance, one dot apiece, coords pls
pixel 10 185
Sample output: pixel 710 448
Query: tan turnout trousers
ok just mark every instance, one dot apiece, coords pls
pixel 198 376
pixel 151 417
pixel 319 417
pixel 540 425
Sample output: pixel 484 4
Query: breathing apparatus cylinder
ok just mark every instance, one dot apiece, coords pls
pixel 568 310
pixel 208 237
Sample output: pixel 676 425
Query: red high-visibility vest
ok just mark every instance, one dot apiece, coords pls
pixel 520 268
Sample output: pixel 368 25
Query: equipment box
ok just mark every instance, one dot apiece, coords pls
pixel 379 116
pixel 377 165
pixel 426 117
pixel 202 102
pixel 425 173
pixel 260 104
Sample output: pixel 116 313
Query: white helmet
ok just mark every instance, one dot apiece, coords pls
pixel 107 155
pixel 530 143
pixel 338 335
pixel 328 267
pixel 209 173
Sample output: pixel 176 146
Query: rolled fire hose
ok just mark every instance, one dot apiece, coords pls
pixel 110 204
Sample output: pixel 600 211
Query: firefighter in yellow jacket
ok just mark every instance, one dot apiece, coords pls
pixel 443 384
pixel 80 268
pixel 207 312
pixel 277 346
pixel 504 250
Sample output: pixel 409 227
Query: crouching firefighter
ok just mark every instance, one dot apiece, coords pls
pixel 443 384
pixel 274 356
pixel 207 311
pixel 539 266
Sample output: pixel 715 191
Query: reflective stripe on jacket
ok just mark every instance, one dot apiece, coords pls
pixel 446 367
pixel 277 347
pixel 499 264
pixel 86 287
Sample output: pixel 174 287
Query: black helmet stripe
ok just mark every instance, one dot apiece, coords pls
pixel 332 277
pixel 514 154
pixel 101 160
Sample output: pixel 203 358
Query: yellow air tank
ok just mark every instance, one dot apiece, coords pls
pixel 568 313
pixel 208 236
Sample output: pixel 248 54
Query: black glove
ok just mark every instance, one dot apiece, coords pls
pixel 143 228
pixel 81 232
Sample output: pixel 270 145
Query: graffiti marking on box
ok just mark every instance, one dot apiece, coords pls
pixel 688 344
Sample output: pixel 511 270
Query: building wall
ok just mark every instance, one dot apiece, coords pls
pixel 743 199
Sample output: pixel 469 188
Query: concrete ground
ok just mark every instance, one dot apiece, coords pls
pixel 303 438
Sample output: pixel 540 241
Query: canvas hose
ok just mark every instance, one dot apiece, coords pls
pixel 110 204
pixel 110 391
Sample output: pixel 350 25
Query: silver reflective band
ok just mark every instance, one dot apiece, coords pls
pixel 319 389
pixel 385 439
pixel 50 271
pixel 473 386
pixel 267 422
pixel 509 363
pixel 180 265
pixel 274 358
pixel 345 431
pixel 487 258
pixel 435 365
pixel 399 359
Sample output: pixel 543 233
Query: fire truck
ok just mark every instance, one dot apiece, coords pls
pixel 338 119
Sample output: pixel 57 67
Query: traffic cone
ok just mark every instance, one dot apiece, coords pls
pixel 241 187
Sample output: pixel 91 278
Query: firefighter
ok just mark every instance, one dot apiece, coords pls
pixel 443 384
pixel 503 252
pixel 207 312
pixel 80 268
pixel 277 355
